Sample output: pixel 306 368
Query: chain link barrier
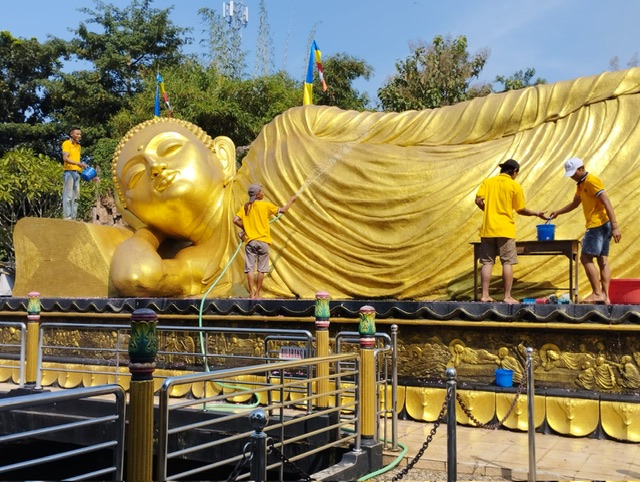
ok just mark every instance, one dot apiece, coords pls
pixel 490 426
pixel 248 448
pixel 247 455
pixel 426 443
pixel 495 425
pixel 271 448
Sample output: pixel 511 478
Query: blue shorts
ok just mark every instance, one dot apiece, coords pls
pixel 596 241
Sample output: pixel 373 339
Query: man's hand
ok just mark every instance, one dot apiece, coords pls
pixel 241 235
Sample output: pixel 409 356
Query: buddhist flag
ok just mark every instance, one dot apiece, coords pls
pixel 315 59
pixel 160 91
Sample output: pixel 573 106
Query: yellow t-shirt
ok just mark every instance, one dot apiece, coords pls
pixel 502 197
pixel 588 191
pixel 73 150
pixel 256 223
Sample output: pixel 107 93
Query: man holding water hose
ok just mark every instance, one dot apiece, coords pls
pixel 253 220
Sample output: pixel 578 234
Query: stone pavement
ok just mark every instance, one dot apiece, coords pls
pixel 504 455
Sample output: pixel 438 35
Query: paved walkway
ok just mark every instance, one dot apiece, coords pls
pixel 504 454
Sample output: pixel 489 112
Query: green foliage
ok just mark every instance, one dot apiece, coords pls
pixel 264 50
pixel 44 138
pixel 340 71
pixel 30 185
pixel 24 66
pixel 519 80
pixel 218 104
pixel 127 44
pixel 225 46
pixel 433 76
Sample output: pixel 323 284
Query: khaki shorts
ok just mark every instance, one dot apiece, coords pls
pixel 256 252
pixel 503 247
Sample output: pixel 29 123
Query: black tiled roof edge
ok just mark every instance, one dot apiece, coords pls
pixel 348 309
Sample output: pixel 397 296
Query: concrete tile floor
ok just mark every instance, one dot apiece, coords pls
pixel 505 454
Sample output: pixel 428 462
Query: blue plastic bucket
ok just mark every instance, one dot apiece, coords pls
pixel 546 232
pixel 88 174
pixel 504 378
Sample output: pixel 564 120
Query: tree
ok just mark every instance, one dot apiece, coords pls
pixel 519 80
pixel 218 104
pixel 264 51
pixel 25 64
pixel 614 63
pixel 127 44
pixel 433 75
pixel 225 45
pixel 26 67
pixel 340 71
pixel 30 185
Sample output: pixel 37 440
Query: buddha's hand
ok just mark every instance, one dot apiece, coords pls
pixel 138 270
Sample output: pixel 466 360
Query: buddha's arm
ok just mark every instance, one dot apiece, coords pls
pixel 138 270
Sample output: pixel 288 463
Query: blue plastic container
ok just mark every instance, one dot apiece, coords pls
pixel 546 232
pixel 88 174
pixel 504 378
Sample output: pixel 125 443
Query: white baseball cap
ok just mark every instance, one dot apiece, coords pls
pixel 572 165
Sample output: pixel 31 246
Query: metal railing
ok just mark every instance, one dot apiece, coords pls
pixel 107 428
pixel 337 426
pixel 107 346
pixel 13 345
pixel 385 353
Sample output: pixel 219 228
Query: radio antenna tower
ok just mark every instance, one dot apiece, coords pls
pixel 236 14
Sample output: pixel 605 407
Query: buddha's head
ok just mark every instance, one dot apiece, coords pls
pixel 169 172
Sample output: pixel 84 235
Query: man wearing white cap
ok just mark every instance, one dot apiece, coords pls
pixel 253 220
pixel 601 227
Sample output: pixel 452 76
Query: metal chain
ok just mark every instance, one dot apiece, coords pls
pixel 426 443
pixel 497 424
pixel 301 473
pixel 247 449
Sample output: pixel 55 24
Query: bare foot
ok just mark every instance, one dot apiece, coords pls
pixel 487 300
pixel 593 299
pixel 511 301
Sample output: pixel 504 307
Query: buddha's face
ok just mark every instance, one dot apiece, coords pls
pixel 169 178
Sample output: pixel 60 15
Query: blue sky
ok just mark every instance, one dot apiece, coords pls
pixel 561 39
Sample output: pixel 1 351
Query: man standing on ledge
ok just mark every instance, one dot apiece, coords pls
pixel 601 227
pixel 253 219
pixel 71 175
pixel 498 197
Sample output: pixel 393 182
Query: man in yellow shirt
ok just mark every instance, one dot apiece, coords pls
pixel 253 220
pixel 71 175
pixel 499 197
pixel 601 227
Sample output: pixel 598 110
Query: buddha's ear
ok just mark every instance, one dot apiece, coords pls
pixel 129 218
pixel 226 153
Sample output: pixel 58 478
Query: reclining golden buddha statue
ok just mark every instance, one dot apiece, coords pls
pixel 386 200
